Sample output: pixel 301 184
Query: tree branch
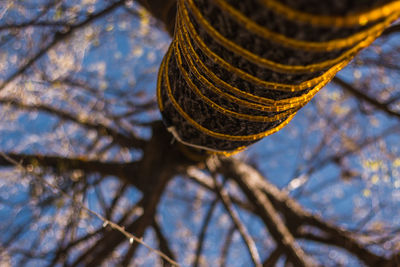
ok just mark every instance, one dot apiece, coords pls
pixel 56 163
pixel 226 246
pixel 392 29
pixel 57 38
pixel 273 258
pixel 363 96
pixel 163 10
pixel 296 216
pixel 244 175
pixel 101 129
pixel 163 241
pixel 249 242
pixel 203 231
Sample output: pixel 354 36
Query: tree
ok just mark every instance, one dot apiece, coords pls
pixel 88 167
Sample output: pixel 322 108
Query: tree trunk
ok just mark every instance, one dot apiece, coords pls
pixel 238 71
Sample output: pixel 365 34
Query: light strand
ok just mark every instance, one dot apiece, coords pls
pixel 200 53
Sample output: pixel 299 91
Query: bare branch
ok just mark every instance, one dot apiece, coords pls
pixel 296 216
pixel 125 233
pixel 245 177
pixel 57 38
pixel 273 258
pixel 392 29
pixel 226 246
pixel 363 96
pixel 248 240
pixel 163 241
pixel 101 129
pixel 56 163
pixel 203 231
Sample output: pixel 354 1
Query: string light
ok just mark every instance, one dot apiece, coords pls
pixel 219 96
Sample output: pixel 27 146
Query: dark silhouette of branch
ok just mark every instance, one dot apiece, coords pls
pixel 118 195
pixel 64 250
pixel 226 246
pixel 126 233
pixel 248 240
pixel 163 242
pixel 273 258
pixel 58 37
pixel 103 130
pixel 59 24
pixel 364 97
pixel 244 175
pixel 285 219
pixel 163 10
pixel 161 162
pixel 205 181
pixel 101 250
pixel 392 29
pixel 58 163
pixel 296 216
pixel 203 231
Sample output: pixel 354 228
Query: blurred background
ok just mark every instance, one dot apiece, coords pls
pixel 78 115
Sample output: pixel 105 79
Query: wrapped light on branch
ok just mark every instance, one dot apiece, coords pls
pixel 238 71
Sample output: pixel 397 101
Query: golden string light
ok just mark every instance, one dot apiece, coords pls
pixel 355 19
pixel 219 96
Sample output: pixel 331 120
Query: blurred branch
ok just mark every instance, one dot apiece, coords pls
pixel 337 157
pixel 163 10
pixel 163 243
pixel 206 181
pixel 57 163
pixel 226 246
pixel 248 240
pixel 101 129
pixel 247 179
pixel 203 231
pixel 118 195
pixel 363 96
pixel 273 258
pixel 117 227
pixel 160 163
pixel 296 217
pixel 57 38
pixel 100 251
pixel 392 29
pixel 33 24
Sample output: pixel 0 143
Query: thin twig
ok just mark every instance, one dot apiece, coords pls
pixel 226 201
pixel 203 231
pixel 247 179
pixel 105 221
pixel 57 38
pixel 227 245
